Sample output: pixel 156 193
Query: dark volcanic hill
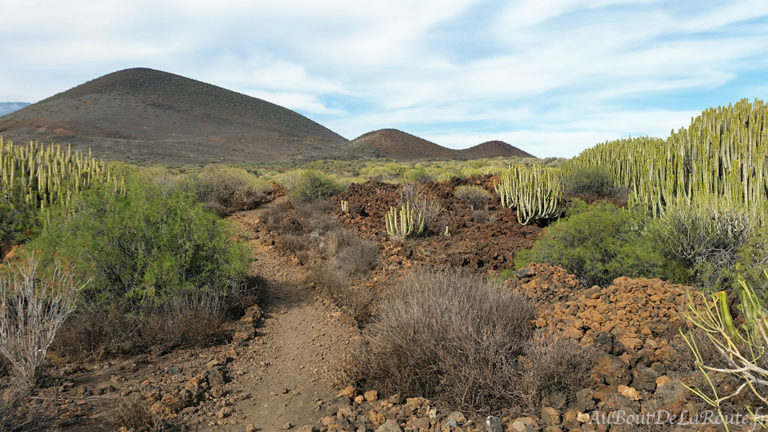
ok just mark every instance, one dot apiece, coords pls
pixel 396 144
pixel 148 115
pixel 491 149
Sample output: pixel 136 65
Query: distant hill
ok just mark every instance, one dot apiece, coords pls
pixel 148 115
pixel 9 107
pixel 490 149
pixel 396 144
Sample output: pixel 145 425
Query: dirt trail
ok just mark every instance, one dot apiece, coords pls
pixel 284 373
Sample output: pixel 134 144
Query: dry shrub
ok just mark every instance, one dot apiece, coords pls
pixel 357 259
pixel 186 321
pixel 359 302
pixel 472 195
pixel 348 258
pixel 226 189
pixel 33 306
pixel 192 320
pixel 19 411
pixel 450 337
pixel 483 216
pixel 277 219
pixel 316 216
pixel 552 366
pixel 421 202
pixel 292 243
pixel 133 414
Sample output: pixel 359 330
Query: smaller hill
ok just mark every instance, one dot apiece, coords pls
pixel 491 149
pixel 396 144
pixel 9 107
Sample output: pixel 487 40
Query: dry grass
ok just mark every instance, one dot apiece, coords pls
pixel 421 202
pixel 450 337
pixel 550 366
pixel 20 412
pixel 134 414
pixel 197 320
pixel 358 302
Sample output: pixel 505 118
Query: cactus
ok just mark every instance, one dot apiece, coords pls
pixel 44 175
pixel 533 191
pixel 720 157
pixel 741 349
pixel 405 223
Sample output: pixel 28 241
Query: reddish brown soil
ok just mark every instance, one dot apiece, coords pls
pixel 479 245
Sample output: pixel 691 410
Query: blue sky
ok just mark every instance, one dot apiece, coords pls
pixel 552 77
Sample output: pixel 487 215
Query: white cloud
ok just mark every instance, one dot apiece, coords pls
pixel 555 75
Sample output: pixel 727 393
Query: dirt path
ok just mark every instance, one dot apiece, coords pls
pixel 285 372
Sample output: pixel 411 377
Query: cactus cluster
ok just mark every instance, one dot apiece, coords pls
pixel 407 222
pixel 535 192
pixel 45 175
pixel 721 157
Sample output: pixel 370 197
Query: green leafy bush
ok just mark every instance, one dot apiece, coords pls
pixel 18 223
pixel 142 248
pixel 311 185
pixel 599 245
pixel 592 181
pixel 418 175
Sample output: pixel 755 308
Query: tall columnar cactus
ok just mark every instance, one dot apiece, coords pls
pixel 45 175
pixel 533 191
pixel 721 156
pixel 407 222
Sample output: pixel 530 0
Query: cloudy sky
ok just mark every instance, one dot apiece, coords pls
pixel 550 76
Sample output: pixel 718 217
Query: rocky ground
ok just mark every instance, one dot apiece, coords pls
pixel 484 240
pixel 278 370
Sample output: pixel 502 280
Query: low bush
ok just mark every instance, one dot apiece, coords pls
pixel 553 366
pixel 450 337
pixel 226 189
pixel 348 258
pixel 336 286
pixel 418 175
pixel 18 222
pixel 33 306
pixel 599 245
pixel 143 250
pixel 472 195
pixel 709 241
pixel 594 181
pixel 313 185
pixel 421 203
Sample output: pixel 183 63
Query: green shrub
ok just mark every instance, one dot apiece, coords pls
pixel 599 245
pixel 709 241
pixel 593 181
pixel 226 189
pixel 143 248
pixel 312 185
pixel 18 223
pixel 472 195
pixel 418 175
